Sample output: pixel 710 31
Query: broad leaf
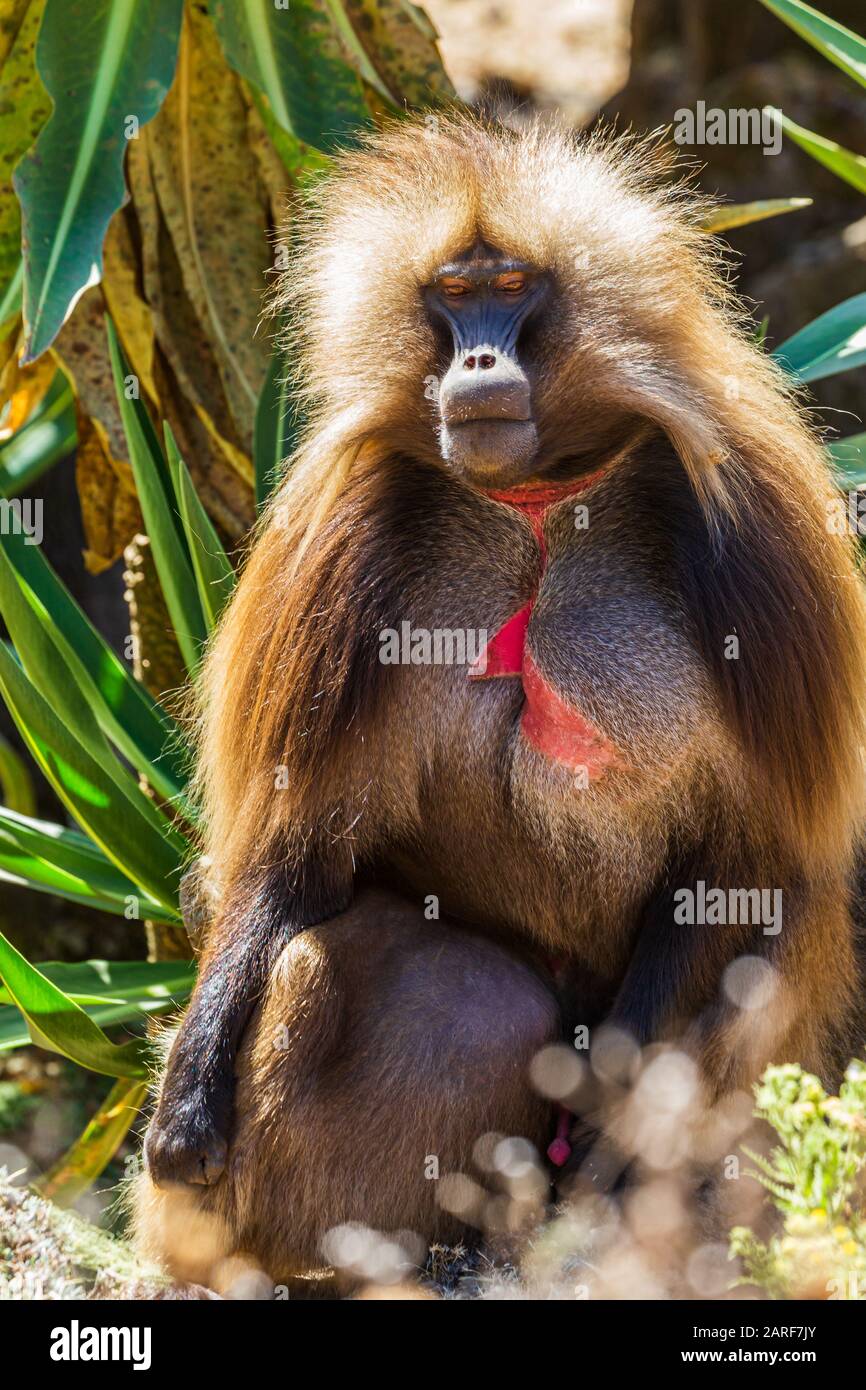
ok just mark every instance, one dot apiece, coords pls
pixel 833 343
pixel 136 984
pixel 204 179
pixel 294 57
pixel 103 62
pixel 25 107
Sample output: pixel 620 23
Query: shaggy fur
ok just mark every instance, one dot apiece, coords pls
pixel 708 522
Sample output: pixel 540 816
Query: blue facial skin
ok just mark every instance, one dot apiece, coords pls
pixel 486 430
pixel 486 315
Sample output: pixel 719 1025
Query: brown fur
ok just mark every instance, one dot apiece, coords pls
pixel 708 522
pixel 426 1036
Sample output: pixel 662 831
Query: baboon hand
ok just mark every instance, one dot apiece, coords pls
pixel 185 1144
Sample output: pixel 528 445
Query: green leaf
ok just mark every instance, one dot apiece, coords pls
pixel 132 720
pixel 139 984
pixel 833 343
pixel 25 106
pixel 11 299
pixel 277 421
pixel 102 61
pixel 53 859
pixel 848 457
pixel 161 518
pixel 303 163
pixel 16 784
pixel 848 166
pixel 43 660
pixel 213 568
pixel 293 56
pixel 722 219
pixel 844 48
pixel 132 833
pixel 49 435
pixel 56 1022
pixel 71 1176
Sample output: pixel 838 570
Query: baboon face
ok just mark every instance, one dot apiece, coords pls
pixel 509 307
pixel 482 302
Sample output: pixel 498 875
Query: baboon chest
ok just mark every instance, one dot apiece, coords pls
pixel 557 728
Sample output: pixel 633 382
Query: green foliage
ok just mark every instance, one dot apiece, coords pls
pixel 834 41
pixel 276 428
pixel 72 181
pixel 298 67
pixel 241 102
pixel 836 341
pixel 815 1179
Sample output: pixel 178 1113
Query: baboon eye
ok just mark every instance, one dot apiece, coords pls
pixel 512 283
pixel 454 289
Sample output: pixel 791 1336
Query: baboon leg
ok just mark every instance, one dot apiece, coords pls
pixel 385 1048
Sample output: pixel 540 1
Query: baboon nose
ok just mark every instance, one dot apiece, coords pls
pixel 484 385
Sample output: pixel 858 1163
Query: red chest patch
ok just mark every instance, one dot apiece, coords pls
pixel 547 722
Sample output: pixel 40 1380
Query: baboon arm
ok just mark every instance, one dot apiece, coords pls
pixel 673 986
pixel 187 1139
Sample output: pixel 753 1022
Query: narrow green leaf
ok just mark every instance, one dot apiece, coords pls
pixel 276 429
pixel 102 62
pixel 213 568
pixel 162 522
pixel 844 48
pixel 11 299
pixel 53 859
pixel 16 784
pixel 722 219
pixel 833 343
pixel 142 845
pixel 43 660
pixel 110 992
pixel 143 983
pixel 847 166
pixel 294 57
pixel 73 1174
pixel 136 723
pixel 56 1022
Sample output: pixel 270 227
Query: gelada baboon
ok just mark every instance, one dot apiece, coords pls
pixel 536 417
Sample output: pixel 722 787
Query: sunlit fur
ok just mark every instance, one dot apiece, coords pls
pixel 710 521
pixel 648 329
